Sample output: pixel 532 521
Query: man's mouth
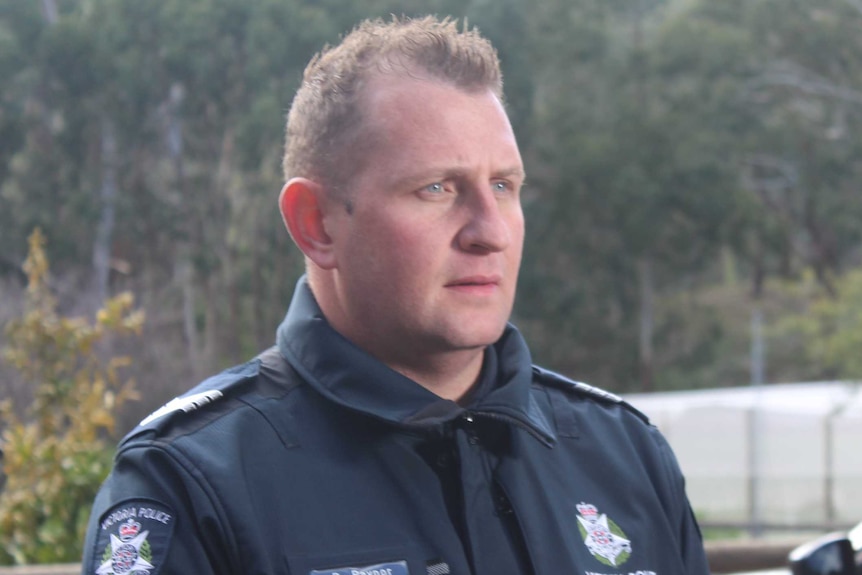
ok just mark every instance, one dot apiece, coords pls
pixel 476 283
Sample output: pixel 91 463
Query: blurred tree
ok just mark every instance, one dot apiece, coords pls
pixel 777 99
pixel 57 456
pixel 627 203
pixel 830 328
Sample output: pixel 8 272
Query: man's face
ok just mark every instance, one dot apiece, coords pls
pixel 428 258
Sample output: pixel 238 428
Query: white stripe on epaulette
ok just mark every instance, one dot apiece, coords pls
pixel 578 385
pixel 592 390
pixel 186 404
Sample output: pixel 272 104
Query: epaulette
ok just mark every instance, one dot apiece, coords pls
pixel 209 391
pixel 562 382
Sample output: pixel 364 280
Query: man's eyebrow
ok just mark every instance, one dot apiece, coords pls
pixel 451 173
pixel 429 175
pixel 514 172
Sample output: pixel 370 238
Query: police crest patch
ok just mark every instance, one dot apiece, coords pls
pixel 133 538
pixel 604 538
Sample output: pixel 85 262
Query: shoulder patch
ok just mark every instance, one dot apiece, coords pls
pixel 133 537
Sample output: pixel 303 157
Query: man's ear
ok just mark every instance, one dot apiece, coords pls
pixel 303 208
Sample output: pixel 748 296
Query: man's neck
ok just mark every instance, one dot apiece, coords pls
pixel 448 373
pixel 450 377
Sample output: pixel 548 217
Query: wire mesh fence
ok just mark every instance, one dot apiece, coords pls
pixel 770 457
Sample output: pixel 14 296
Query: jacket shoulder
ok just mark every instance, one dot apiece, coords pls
pixel 217 395
pixel 573 388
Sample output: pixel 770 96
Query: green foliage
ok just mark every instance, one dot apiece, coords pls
pixel 668 134
pixel 831 328
pixel 56 457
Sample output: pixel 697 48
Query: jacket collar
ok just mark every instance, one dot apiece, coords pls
pixel 348 376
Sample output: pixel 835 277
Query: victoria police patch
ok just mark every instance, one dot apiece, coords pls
pixel 133 538
pixel 603 538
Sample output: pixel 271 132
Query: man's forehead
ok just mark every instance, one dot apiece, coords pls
pixel 417 107
pixel 384 87
pixel 420 122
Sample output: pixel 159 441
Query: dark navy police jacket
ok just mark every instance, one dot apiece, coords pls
pixel 316 459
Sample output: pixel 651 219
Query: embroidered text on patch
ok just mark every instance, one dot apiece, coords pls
pixel 603 538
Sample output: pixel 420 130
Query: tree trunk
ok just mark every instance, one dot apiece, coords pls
pixel 107 200
pixel 49 11
pixel 185 265
pixel 186 276
pixel 645 267
pixel 647 323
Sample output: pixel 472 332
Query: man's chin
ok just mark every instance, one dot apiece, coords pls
pixel 477 338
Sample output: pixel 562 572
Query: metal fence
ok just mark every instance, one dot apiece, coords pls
pixel 772 457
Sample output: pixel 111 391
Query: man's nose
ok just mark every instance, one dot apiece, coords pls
pixel 487 228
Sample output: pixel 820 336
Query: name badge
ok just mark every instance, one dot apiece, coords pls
pixel 395 568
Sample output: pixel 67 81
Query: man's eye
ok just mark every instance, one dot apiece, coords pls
pixel 435 188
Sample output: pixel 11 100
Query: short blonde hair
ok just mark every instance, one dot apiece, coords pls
pixel 326 113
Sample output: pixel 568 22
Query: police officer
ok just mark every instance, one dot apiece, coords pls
pixel 398 426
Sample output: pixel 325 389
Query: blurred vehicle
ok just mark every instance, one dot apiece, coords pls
pixel 833 554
